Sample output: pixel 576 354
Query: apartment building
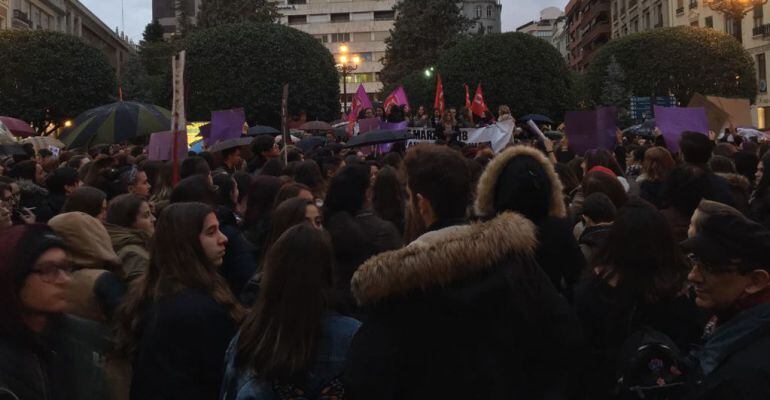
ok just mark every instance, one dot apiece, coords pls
pixel 485 14
pixel 544 27
pixel 632 16
pixel 165 12
pixel 588 28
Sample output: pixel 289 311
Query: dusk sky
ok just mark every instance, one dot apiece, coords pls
pixel 139 12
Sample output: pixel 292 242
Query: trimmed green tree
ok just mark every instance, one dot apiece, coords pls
pixel 246 65
pixel 153 32
pixel 223 12
pixel 680 61
pixel 516 69
pixel 47 77
pixel 422 30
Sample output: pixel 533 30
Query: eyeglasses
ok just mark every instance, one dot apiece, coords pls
pixel 50 272
pixel 712 268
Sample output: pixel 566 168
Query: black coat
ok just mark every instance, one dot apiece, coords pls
pixel 239 263
pixel 652 191
pixel 461 313
pixel 182 348
pixel 559 254
pixel 608 318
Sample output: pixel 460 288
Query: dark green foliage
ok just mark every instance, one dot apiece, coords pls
pixel 680 61
pixel 422 30
pixel 246 65
pixel 49 77
pixel 183 23
pixel 222 12
pixel 153 32
pixel 516 69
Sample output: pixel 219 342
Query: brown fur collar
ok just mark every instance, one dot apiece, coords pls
pixel 441 257
pixel 485 199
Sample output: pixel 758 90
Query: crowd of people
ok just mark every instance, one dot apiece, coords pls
pixel 429 272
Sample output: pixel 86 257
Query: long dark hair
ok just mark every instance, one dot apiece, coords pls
pixel 279 338
pixel 602 158
pixel 289 213
pixel 388 197
pixel 764 184
pixel 641 253
pixel 177 262
pixel 124 209
pixel 261 198
pixel 347 190
pixel 85 199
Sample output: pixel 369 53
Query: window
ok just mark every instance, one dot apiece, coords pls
pixel 646 20
pixel 341 17
pixel 758 16
pixel 489 29
pixel 297 19
pixel 322 38
pixel 693 4
pixel 762 69
pixel 709 22
pixel 340 37
pixel 478 11
pixel 694 23
pixel 384 15
pixel 365 56
pixel 490 11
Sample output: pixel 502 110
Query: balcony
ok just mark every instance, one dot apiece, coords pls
pixel 595 11
pixel 21 19
pixel 693 4
pixel 596 33
pixel 680 11
pixel 762 30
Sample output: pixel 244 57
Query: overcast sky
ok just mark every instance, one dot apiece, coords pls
pixel 138 13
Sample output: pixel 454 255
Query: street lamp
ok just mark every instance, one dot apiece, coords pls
pixel 735 10
pixel 346 64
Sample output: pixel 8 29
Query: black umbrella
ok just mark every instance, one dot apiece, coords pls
pixel 115 123
pixel 11 149
pixel 257 130
pixel 311 143
pixel 538 118
pixel 379 136
pixel 645 129
pixel 341 132
pixel 230 143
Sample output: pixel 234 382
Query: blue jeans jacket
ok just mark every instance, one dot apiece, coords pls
pixel 329 364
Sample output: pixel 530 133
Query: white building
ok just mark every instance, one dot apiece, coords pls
pixel 543 27
pixel 559 36
pixel 484 13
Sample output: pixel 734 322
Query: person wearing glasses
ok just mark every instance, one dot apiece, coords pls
pixel 731 278
pixel 45 354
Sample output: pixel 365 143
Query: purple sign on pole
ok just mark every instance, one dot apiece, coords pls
pixel 672 121
pixel 226 124
pixel 161 146
pixel 394 126
pixel 588 130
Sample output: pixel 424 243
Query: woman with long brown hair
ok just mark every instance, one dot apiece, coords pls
pixel 179 317
pixel 292 344
pixel 657 165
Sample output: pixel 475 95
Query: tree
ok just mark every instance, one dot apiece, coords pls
pixel 678 61
pixel 422 30
pixel 135 83
pixel 183 23
pixel 614 91
pixel 222 12
pixel 48 77
pixel 153 32
pixel 246 65
pixel 535 81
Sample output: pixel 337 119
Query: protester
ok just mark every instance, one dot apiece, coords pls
pixel 706 209
pixel 178 319
pixel 657 165
pixel 451 286
pixel 291 190
pixel 61 183
pixel 309 174
pixel 265 149
pixel 637 281
pixel 388 197
pixel 603 180
pixel 131 224
pixel 292 343
pixel 136 182
pixel 194 166
pixel 89 200
pixel 760 199
pixel 45 353
pixel 598 215
pixel 523 180
pixel 732 282
pixel 696 149
pixel 231 160
pixel 30 178
pixel 684 189
pixel 259 204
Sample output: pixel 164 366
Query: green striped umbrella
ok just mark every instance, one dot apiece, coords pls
pixel 115 123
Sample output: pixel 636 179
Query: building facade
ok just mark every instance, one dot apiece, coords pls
pixel 632 16
pixel 559 36
pixel 165 12
pixel 544 27
pixel 588 28
pixel 753 31
pixel 70 17
pixel 485 13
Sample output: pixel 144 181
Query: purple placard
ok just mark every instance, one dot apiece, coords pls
pixel 588 130
pixel 161 146
pixel 368 124
pixel 394 126
pixel 672 121
pixel 226 124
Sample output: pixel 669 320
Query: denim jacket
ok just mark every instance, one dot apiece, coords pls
pixel 338 331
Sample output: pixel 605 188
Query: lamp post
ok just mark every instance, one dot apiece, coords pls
pixel 346 64
pixel 734 10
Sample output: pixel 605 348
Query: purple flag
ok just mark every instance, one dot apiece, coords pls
pixel 161 146
pixel 368 124
pixel 226 124
pixel 394 126
pixel 588 130
pixel 397 98
pixel 672 121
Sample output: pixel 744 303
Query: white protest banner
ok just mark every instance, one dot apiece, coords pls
pixel 498 135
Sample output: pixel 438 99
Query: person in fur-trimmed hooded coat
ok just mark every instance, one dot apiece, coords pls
pixel 462 312
pixel 521 179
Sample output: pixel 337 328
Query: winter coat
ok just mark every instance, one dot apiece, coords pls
pixel 240 262
pixel 608 318
pixel 557 251
pixel 36 198
pixel 734 358
pixel 462 312
pixel 759 210
pixel 328 366
pixel 67 361
pixel 592 238
pixel 740 189
pixel 652 191
pixel 90 250
pixel 679 223
pixel 132 246
pixel 181 348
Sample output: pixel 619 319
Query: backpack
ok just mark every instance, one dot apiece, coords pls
pixel 651 366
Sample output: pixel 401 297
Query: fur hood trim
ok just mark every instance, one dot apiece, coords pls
pixel 485 200
pixel 736 180
pixel 442 257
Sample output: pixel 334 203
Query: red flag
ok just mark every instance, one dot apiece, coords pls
pixel 438 103
pixel 478 107
pixel 467 98
pixel 397 98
